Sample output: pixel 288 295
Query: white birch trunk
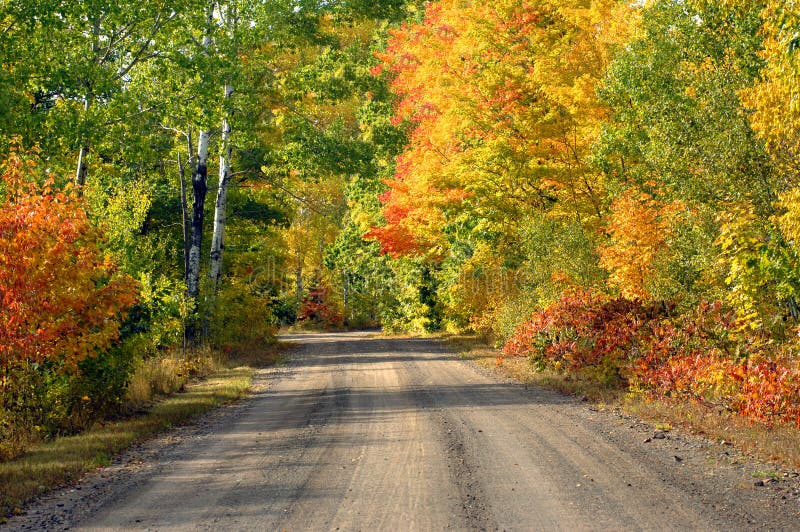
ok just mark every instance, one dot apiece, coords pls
pixel 221 204
pixel 186 221
pixel 200 188
pixel 80 175
pixel 83 168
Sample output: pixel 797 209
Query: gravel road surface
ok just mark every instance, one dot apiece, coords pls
pixel 362 432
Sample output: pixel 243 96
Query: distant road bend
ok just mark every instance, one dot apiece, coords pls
pixel 363 432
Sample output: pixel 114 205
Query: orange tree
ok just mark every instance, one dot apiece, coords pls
pixel 502 100
pixel 62 299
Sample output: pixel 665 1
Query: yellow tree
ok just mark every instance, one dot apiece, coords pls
pixel 640 229
pixel 775 99
pixel 775 103
pixel 775 116
pixel 501 96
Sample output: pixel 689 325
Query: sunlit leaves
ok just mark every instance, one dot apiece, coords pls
pixel 640 229
pixel 775 98
pixel 61 297
pixel 501 97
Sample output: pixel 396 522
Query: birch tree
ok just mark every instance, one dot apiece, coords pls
pixel 199 179
pixel 79 60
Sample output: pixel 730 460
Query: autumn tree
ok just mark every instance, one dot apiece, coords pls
pixel 77 64
pixel 680 133
pixel 501 100
pixel 62 298
pixel 641 229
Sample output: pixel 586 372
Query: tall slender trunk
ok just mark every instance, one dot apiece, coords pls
pixel 83 168
pixel 298 281
pixel 185 226
pixel 199 186
pixel 200 189
pixel 83 153
pixel 346 296
pixel 185 219
pixel 221 204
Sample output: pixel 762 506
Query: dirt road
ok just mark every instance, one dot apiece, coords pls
pixel 368 433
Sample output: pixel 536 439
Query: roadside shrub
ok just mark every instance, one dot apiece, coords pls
pixel 705 356
pixel 318 310
pixel 41 401
pixel 63 303
pixel 241 319
pixel 585 329
pixel 701 355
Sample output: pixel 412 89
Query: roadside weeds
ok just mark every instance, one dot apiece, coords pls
pixel 64 460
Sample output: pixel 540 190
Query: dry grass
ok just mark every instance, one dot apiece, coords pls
pixel 64 460
pixel 272 354
pixel 157 376
pixel 776 444
pixel 779 443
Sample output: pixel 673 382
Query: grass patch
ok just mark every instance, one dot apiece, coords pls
pixel 274 355
pixel 66 459
pixel 778 443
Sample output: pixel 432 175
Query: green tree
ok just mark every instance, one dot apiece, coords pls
pixel 679 132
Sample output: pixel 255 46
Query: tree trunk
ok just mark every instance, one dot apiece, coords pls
pixel 200 189
pixel 220 207
pixel 346 296
pixel 298 281
pixel 80 175
pixel 185 219
pixel 83 169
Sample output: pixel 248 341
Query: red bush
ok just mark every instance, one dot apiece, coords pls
pixel 317 309
pixel 583 329
pixel 61 297
pixel 701 355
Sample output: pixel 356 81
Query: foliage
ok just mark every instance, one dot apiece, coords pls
pixel 640 229
pixel 503 112
pixel 699 355
pixel 318 310
pixel 63 303
pixel 62 298
pixel 242 320
pixel 585 329
pixel 773 97
pixel 702 357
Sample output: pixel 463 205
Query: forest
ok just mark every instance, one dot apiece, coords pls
pixel 602 187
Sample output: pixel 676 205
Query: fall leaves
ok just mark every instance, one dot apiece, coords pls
pixel 640 229
pixel 501 100
pixel 62 298
pixel 633 166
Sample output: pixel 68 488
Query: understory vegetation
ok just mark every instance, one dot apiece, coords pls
pixel 602 187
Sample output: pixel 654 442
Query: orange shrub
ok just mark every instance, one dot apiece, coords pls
pixel 317 309
pixel 61 298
